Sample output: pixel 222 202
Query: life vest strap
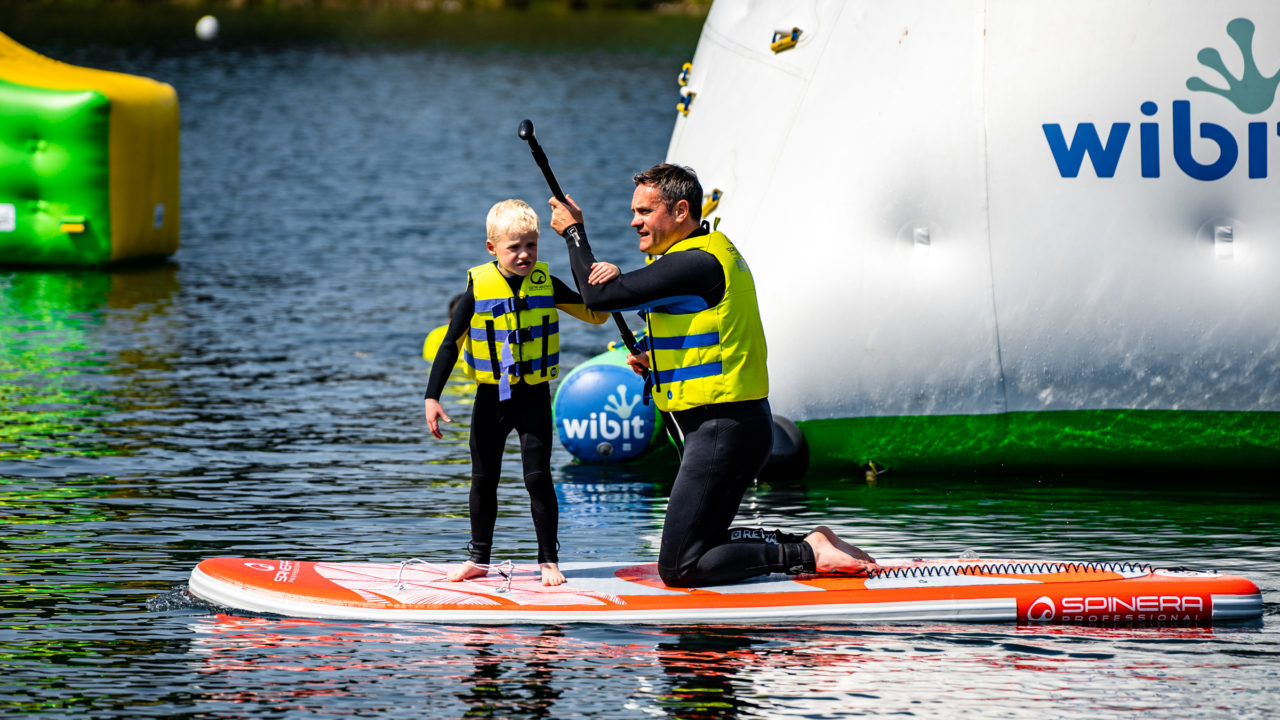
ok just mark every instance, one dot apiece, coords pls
pixel 508 363
pixel 533 366
pixel 505 306
pixel 512 369
pixel 522 335
pixel 488 365
pixel 491 338
pixel 684 342
pixel 546 339
pixel 692 372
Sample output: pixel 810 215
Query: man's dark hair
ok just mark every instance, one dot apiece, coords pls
pixel 674 183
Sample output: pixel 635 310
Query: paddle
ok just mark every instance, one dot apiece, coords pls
pixel 628 338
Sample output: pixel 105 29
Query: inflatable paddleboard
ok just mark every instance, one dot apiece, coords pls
pixel 916 590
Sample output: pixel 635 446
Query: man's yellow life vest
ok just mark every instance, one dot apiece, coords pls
pixel 715 355
pixel 513 338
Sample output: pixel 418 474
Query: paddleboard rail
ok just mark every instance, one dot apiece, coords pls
pixel 965 590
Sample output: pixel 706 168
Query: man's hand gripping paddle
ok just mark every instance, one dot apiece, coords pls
pixel 628 338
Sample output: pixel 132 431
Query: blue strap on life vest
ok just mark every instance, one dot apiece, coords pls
pixel 522 335
pixel 506 306
pixel 681 305
pixel 488 365
pixel 689 373
pixel 511 369
pixel 685 342
pixel 504 380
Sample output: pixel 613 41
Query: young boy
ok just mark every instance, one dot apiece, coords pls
pixel 506 326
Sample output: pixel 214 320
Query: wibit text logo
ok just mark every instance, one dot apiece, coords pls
pixel 599 426
pixel 1252 93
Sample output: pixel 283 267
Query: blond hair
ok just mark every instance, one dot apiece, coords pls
pixel 508 217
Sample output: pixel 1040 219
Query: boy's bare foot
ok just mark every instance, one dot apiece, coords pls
pixel 466 571
pixel 551 574
pixel 831 554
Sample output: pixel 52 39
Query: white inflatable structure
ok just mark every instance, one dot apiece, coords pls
pixel 1004 232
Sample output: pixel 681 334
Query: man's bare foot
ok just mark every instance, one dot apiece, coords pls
pixel 830 553
pixel 551 574
pixel 843 546
pixel 466 571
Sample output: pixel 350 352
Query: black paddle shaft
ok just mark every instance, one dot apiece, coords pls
pixel 628 338
pixel 540 157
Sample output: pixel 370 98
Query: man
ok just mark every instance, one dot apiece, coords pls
pixel 705 353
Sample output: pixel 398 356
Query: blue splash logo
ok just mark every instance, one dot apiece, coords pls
pixel 1252 93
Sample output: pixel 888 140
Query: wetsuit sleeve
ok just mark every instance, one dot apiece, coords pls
pixel 569 301
pixel 447 355
pixel 687 278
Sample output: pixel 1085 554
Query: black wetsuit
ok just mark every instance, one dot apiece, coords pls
pixel 725 444
pixel 528 412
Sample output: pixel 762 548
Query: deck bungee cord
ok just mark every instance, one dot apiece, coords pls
pixel 1014 568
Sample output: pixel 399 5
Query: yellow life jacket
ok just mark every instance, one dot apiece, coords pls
pixel 513 338
pixel 714 355
pixel 431 345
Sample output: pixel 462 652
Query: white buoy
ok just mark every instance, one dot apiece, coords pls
pixel 207 27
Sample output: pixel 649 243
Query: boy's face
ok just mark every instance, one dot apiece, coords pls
pixel 516 252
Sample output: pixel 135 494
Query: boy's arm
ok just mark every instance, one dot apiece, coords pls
pixel 569 301
pixel 447 355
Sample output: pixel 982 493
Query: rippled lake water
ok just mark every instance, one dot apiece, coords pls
pixel 261 395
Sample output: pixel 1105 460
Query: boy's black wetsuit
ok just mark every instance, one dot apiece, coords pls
pixel 725 444
pixel 528 412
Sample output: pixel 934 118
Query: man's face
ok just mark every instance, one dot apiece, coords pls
pixel 516 252
pixel 658 227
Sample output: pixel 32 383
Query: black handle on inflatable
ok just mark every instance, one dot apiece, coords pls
pixel 628 338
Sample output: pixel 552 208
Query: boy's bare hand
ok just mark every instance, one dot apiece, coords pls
pixel 639 363
pixel 562 215
pixel 435 414
pixel 603 272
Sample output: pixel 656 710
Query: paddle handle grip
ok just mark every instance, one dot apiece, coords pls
pixel 526 133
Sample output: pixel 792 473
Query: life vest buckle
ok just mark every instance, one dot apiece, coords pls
pixel 510 305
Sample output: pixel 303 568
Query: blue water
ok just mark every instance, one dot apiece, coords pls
pixel 261 395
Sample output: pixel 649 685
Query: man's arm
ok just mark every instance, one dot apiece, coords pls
pixel 693 278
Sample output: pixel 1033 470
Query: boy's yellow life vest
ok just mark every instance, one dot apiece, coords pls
pixel 715 355
pixel 513 338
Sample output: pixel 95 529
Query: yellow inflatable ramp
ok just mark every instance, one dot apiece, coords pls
pixel 88 163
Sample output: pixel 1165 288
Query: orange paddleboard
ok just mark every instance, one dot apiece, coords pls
pixel 910 591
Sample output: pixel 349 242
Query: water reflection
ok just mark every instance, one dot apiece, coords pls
pixel 700 667
pixel 504 683
pixel 712 672
pixel 72 348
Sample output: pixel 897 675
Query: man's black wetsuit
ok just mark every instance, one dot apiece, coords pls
pixel 726 444
pixel 528 412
